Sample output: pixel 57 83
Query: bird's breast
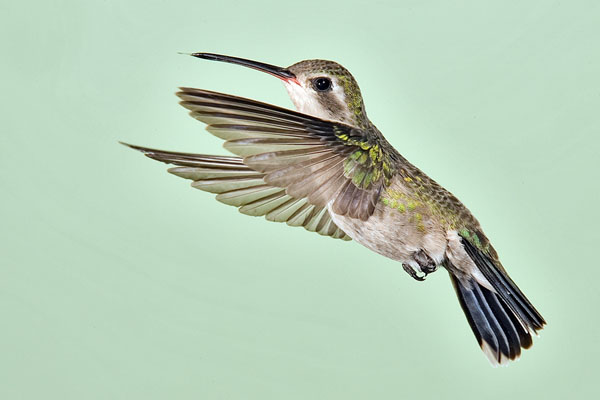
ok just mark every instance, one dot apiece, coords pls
pixel 399 227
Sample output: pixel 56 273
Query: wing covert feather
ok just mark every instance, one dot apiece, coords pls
pixel 322 161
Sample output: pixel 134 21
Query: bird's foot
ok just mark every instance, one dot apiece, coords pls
pixel 428 269
pixel 413 273
pixel 426 266
pixel 425 262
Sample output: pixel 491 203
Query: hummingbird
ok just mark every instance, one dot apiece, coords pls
pixel 327 168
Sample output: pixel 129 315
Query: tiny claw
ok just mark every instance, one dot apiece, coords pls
pixel 428 269
pixel 413 274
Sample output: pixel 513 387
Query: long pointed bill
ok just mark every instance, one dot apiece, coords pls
pixel 278 72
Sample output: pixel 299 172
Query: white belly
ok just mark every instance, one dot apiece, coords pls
pixel 395 234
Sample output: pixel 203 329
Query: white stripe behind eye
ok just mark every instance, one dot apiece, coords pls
pixel 306 101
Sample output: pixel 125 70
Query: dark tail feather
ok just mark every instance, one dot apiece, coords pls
pixel 502 319
pixel 499 332
pixel 506 289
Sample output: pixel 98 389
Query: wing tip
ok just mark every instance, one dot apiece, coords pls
pixel 126 144
pixel 141 149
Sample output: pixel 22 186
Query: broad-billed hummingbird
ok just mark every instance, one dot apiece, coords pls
pixel 326 167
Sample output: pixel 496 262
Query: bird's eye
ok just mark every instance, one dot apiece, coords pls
pixel 322 84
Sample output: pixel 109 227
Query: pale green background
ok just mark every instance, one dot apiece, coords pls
pixel 119 281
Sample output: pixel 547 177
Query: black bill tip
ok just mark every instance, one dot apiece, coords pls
pixel 207 56
pixel 279 72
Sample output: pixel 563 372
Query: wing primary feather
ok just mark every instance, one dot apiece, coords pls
pixel 247 124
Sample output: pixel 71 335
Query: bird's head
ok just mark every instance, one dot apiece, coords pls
pixel 320 88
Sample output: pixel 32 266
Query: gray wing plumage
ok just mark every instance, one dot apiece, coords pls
pixel 238 185
pixel 322 161
pixel 290 166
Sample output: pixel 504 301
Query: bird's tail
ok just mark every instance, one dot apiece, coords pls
pixel 501 317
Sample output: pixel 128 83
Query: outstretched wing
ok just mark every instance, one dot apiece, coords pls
pixel 320 161
pixel 238 185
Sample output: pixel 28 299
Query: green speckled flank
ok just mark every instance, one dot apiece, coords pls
pixel 474 239
pixel 423 191
pixel 394 203
pixel 402 203
pixel 420 197
pixel 397 200
pixel 419 221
